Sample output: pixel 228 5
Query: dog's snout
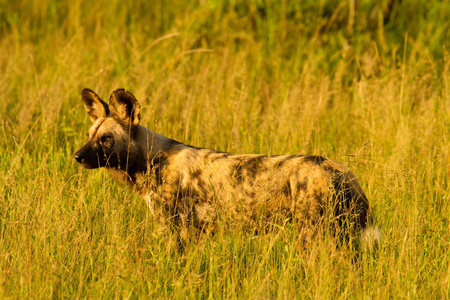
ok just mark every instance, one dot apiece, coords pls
pixel 87 158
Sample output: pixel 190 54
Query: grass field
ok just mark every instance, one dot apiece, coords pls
pixel 366 83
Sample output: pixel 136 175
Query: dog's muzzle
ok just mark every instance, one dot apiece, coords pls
pixel 86 158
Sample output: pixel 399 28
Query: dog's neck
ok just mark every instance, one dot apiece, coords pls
pixel 154 144
pixel 148 150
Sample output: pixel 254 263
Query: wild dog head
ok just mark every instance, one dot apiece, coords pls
pixel 110 138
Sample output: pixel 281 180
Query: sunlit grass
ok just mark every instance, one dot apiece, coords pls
pixel 244 77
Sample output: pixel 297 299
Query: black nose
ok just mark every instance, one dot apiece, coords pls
pixel 78 157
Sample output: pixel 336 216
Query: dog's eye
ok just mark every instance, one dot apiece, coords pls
pixel 106 141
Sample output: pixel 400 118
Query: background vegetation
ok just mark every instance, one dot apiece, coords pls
pixel 366 83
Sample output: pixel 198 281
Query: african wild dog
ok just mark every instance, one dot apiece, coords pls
pixel 193 190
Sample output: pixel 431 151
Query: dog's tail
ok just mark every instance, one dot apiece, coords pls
pixel 351 201
pixel 371 238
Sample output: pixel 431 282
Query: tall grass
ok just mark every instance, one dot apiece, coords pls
pixel 366 83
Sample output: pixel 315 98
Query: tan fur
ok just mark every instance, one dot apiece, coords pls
pixel 196 190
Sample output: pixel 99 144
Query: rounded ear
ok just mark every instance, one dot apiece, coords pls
pixel 95 107
pixel 125 107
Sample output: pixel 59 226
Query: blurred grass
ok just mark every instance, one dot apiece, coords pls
pixel 365 83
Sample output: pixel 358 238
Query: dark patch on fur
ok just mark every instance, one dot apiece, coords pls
pixel 221 155
pixel 250 193
pixel 236 173
pixel 196 174
pixel 203 190
pixel 156 166
pixel 208 155
pixel 287 190
pixel 314 159
pixel 134 168
pixel 318 196
pixel 302 185
pixel 253 165
pixel 224 155
pixel 280 163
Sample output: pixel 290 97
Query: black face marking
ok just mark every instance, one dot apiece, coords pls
pixel 107 142
pixel 318 160
pixel 91 155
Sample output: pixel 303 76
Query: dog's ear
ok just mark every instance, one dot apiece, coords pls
pixel 94 106
pixel 125 107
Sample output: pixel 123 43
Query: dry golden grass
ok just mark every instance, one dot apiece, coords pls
pixel 245 77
